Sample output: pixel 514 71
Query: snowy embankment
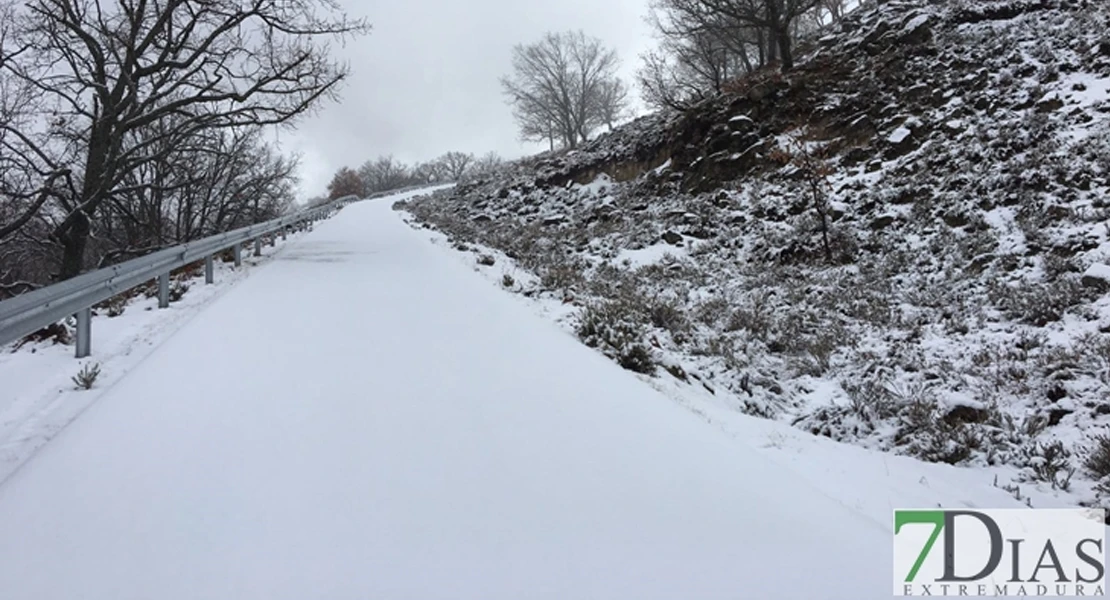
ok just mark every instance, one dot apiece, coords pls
pixel 366 418
pixel 38 397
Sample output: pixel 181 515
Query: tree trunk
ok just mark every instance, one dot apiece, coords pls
pixel 74 239
pixel 786 52
pixel 73 232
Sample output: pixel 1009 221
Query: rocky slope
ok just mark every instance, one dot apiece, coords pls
pixel 901 244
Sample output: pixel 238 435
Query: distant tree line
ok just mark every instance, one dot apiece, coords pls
pixel 386 173
pixel 127 126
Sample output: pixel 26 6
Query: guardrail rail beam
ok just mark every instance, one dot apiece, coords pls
pixel 74 298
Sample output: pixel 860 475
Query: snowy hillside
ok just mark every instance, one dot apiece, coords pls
pixel 902 244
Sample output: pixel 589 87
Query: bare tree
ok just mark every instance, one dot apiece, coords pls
pixel 385 173
pixel 346 182
pixel 689 68
pixel 427 172
pixel 613 102
pixel 113 68
pixel 563 88
pixel 220 180
pixel 483 166
pixel 704 44
pixel 455 164
pixel 28 177
pixel 772 22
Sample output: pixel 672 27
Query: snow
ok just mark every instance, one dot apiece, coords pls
pixel 37 396
pixel 357 419
pixel 1098 271
pixel 663 167
pixel 598 186
pixel 650 255
pixel 916 22
pixel 1093 90
pixel 898 135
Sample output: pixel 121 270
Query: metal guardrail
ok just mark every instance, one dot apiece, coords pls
pixel 27 313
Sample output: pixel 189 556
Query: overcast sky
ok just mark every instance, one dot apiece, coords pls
pixel 425 81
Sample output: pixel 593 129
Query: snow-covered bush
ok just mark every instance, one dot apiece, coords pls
pixel 613 328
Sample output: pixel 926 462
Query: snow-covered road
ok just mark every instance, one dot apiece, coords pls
pixel 364 418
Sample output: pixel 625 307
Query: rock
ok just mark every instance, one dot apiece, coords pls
pixel 1056 415
pixel 917 29
pixel 882 222
pixel 954 220
pixel 1050 104
pixel 855 156
pixel 965 414
pixel 742 124
pixel 980 263
pixel 1057 212
pixel 701 233
pixel 554 220
pixel 900 142
pixel 905 196
pixel 481 218
pixel 672 237
pixel 954 126
pixel 757 93
pixel 1097 276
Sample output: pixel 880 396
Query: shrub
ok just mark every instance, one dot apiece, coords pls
pixel 611 327
pixel 666 314
pixel 178 290
pixel 1041 304
pixel 1098 461
pixel 944 443
pixel 117 305
pixel 86 377
pixel 1050 462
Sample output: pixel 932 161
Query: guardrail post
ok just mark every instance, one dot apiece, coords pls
pixel 258 246
pixel 238 252
pixel 283 230
pixel 273 240
pixel 209 270
pixel 84 332
pixel 164 290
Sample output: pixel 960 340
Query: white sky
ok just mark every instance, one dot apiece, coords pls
pixel 425 81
